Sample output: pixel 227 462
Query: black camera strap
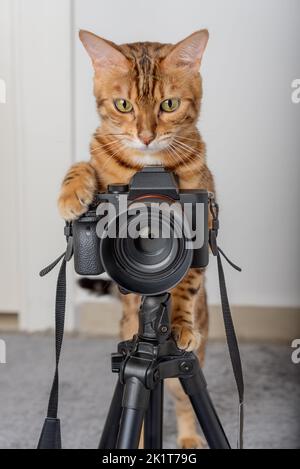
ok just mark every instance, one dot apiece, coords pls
pixel 50 437
pixel 232 341
pixel 51 434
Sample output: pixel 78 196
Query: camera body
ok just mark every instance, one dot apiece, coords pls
pixel 94 253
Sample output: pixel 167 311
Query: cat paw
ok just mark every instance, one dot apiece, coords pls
pixel 191 442
pixel 186 338
pixel 74 203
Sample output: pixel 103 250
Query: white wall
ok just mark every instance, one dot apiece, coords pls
pixel 248 121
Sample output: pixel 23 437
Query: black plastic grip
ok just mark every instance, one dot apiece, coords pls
pixel 86 246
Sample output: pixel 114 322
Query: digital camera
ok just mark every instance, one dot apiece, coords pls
pixel 146 234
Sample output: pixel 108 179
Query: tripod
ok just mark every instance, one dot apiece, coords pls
pixel 142 364
pixel 152 356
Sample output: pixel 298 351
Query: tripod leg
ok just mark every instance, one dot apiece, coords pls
pixel 111 427
pixel 135 403
pixel 195 387
pixel 154 419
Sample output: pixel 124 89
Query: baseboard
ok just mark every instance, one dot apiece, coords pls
pixel 252 322
pixel 96 317
pixel 9 322
pixel 99 317
pixel 258 323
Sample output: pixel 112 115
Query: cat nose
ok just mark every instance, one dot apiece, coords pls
pixel 146 137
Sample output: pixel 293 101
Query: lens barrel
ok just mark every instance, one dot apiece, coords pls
pixel 149 254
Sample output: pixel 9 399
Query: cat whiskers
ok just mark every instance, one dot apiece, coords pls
pixel 183 145
pixel 196 140
pixel 109 135
pixel 191 150
pixel 178 155
pixel 110 157
pixel 179 147
pixel 116 146
pixel 119 149
pixel 171 155
pixel 171 150
pixel 105 145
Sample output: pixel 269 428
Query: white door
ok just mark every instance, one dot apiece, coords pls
pixel 36 149
pixel 9 285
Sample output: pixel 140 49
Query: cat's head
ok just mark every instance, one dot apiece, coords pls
pixel 147 93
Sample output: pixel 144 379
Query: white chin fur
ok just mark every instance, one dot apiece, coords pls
pixel 147 159
pixel 154 146
pixel 149 156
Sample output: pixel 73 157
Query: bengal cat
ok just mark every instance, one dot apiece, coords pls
pixel 148 98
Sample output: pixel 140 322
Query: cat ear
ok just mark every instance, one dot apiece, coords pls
pixel 189 52
pixel 104 54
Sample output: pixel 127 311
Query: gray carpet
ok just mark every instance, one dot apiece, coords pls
pixel 272 392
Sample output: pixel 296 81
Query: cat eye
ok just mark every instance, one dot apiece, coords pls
pixel 123 105
pixel 170 105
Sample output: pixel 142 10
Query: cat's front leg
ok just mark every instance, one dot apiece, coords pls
pixel 77 191
pixel 184 297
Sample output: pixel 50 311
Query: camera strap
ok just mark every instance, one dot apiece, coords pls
pixel 50 437
pixel 231 337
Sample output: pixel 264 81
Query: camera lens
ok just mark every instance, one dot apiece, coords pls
pixel 150 246
pixel 149 255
